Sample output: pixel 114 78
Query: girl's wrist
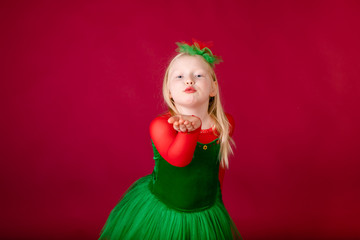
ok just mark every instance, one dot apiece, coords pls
pixel 196 117
pixel 199 120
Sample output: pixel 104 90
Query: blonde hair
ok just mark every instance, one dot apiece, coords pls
pixel 215 111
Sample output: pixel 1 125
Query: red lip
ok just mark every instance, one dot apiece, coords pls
pixel 190 90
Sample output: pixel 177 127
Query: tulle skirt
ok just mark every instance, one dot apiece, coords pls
pixel 141 215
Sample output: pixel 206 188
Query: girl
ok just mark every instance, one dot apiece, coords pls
pixel 182 199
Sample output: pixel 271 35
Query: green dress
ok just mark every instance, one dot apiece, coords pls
pixel 174 202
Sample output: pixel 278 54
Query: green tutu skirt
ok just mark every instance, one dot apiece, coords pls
pixel 141 215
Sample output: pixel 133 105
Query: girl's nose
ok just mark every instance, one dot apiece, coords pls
pixel 189 82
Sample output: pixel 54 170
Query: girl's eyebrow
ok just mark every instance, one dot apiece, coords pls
pixel 174 72
pixel 193 70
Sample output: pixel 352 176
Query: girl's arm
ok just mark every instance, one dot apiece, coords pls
pixel 177 148
pixel 221 169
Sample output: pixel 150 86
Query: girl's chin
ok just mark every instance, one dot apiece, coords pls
pixel 191 104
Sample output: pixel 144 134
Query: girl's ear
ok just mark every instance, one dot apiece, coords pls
pixel 170 95
pixel 214 87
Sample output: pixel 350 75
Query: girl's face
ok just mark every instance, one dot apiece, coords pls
pixel 189 81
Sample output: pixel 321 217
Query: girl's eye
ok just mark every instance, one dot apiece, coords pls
pixel 198 75
pixel 179 76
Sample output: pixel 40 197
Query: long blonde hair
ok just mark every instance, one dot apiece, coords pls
pixel 215 111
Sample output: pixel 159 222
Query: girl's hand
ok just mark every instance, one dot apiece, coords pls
pixel 185 123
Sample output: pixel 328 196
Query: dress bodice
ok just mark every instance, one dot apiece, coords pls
pixel 190 188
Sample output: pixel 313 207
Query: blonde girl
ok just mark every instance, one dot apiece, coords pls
pixel 181 198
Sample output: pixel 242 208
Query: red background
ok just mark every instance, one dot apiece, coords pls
pixel 81 81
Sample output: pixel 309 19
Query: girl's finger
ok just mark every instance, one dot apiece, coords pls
pixel 183 128
pixel 173 119
pixel 190 129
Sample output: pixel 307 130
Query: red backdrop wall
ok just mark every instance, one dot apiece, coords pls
pixel 81 81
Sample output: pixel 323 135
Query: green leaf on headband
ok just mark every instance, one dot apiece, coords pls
pixel 195 50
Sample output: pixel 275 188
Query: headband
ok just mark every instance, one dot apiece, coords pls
pixel 199 48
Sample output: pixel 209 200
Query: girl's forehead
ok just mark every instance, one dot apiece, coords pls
pixel 187 62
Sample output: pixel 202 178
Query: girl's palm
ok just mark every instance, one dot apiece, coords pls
pixel 185 123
